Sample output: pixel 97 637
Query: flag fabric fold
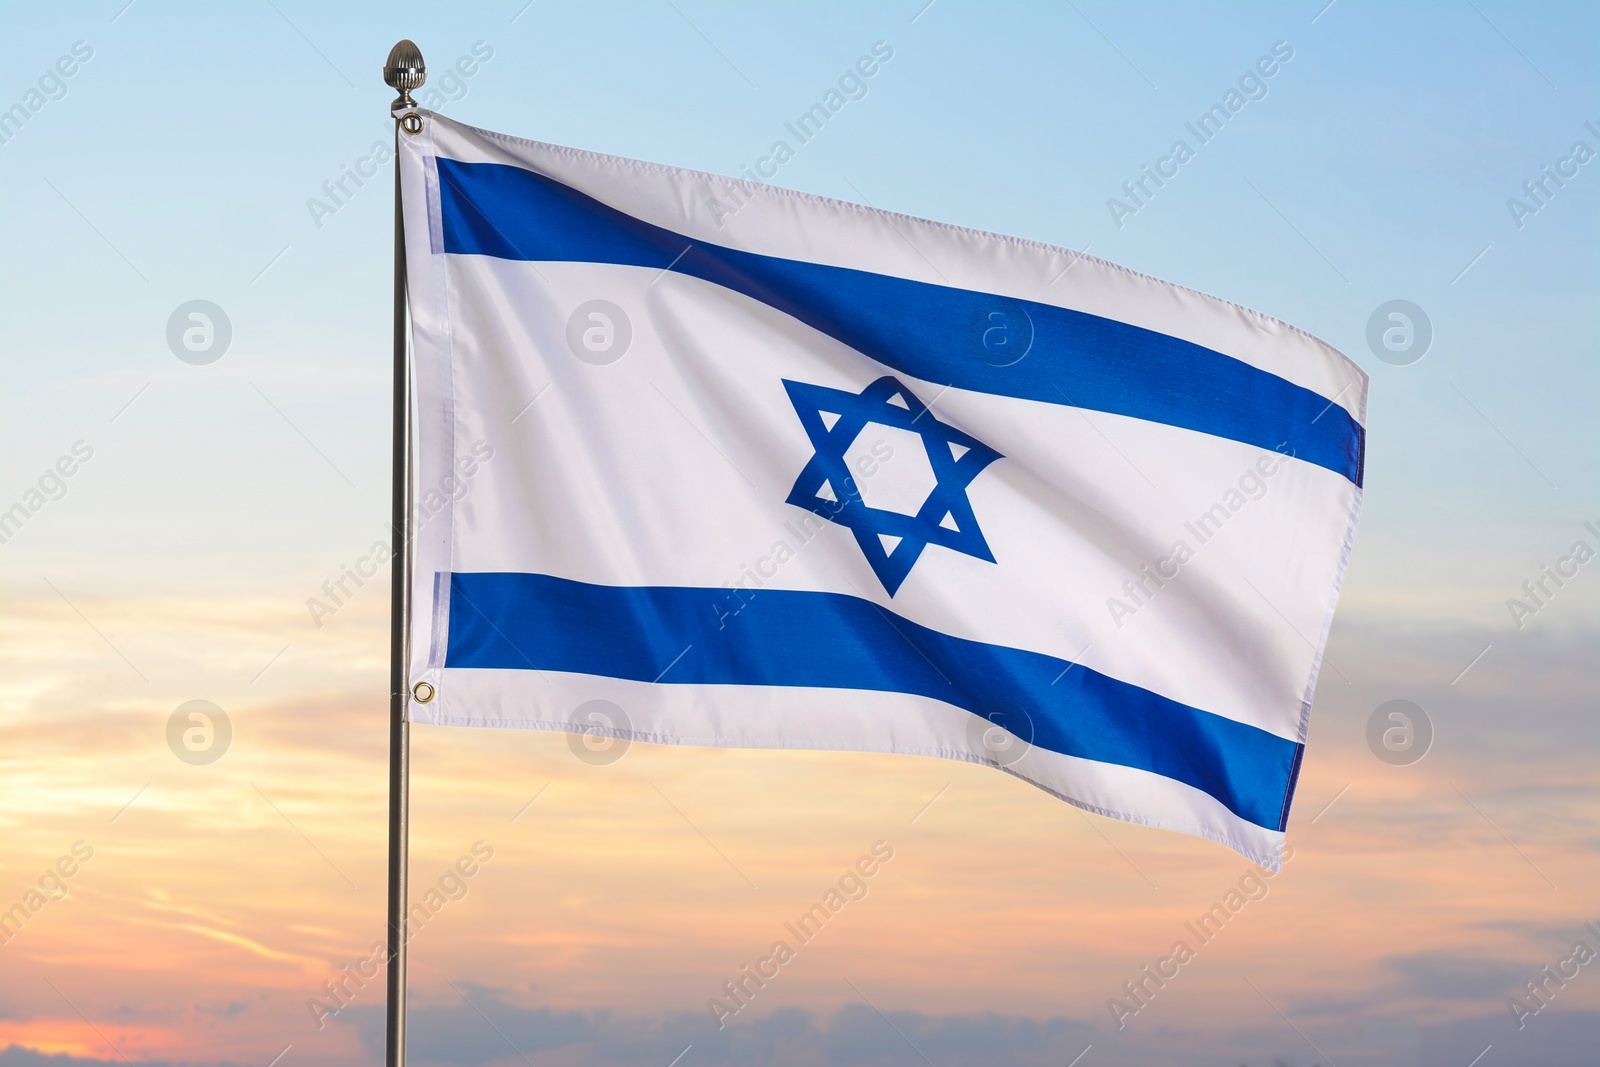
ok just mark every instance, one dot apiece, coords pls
pixel 704 461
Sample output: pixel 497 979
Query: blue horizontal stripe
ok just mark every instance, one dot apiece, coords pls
pixel 688 636
pixel 933 332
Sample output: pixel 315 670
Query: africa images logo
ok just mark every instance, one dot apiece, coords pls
pixel 929 507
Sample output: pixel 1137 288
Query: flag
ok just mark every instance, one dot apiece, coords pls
pixel 704 461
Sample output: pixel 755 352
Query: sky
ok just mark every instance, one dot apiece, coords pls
pixel 209 902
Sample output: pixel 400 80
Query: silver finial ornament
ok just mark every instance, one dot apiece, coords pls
pixel 405 71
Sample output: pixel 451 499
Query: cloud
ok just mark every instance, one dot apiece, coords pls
pixel 1551 1039
pixel 221 1011
pixel 484 1028
pixel 18 1056
pixel 1454 975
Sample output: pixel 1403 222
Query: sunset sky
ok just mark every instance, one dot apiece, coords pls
pixel 208 903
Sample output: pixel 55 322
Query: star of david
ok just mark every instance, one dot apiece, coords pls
pixel 892 540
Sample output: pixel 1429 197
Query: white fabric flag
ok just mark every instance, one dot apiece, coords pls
pixel 705 461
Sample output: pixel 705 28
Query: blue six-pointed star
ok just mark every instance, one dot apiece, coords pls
pixel 891 541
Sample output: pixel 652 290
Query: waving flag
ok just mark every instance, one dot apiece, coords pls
pixel 703 461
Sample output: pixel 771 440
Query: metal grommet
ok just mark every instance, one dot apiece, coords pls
pixel 411 122
pixel 423 692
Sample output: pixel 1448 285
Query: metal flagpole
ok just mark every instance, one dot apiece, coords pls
pixel 404 71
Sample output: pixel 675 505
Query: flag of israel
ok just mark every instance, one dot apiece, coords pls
pixel 703 461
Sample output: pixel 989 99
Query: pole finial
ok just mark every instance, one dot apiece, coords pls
pixel 405 71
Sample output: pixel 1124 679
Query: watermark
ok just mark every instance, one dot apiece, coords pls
pixel 851 887
pixel 199 732
pixel 1002 333
pixel 52 485
pixel 850 86
pixel 337 592
pixel 51 85
pixel 1399 732
pixel 1251 86
pixel 1003 737
pixel 601 740
pixel 453 885
pixel 1539 991
pixel 1251 486
pixel 1541 190
pixel 866 459
pixel 1399 332
pixel 1538 591
pixel 341 189
pixel 199 332
pixel 1140 991
pixel 446 86
pixel 599 332
pixel 51 887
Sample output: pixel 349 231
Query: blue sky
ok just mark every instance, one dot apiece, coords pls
pixel 1377 167
pixel 178 164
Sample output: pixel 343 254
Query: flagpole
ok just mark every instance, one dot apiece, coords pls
pixel 404 71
